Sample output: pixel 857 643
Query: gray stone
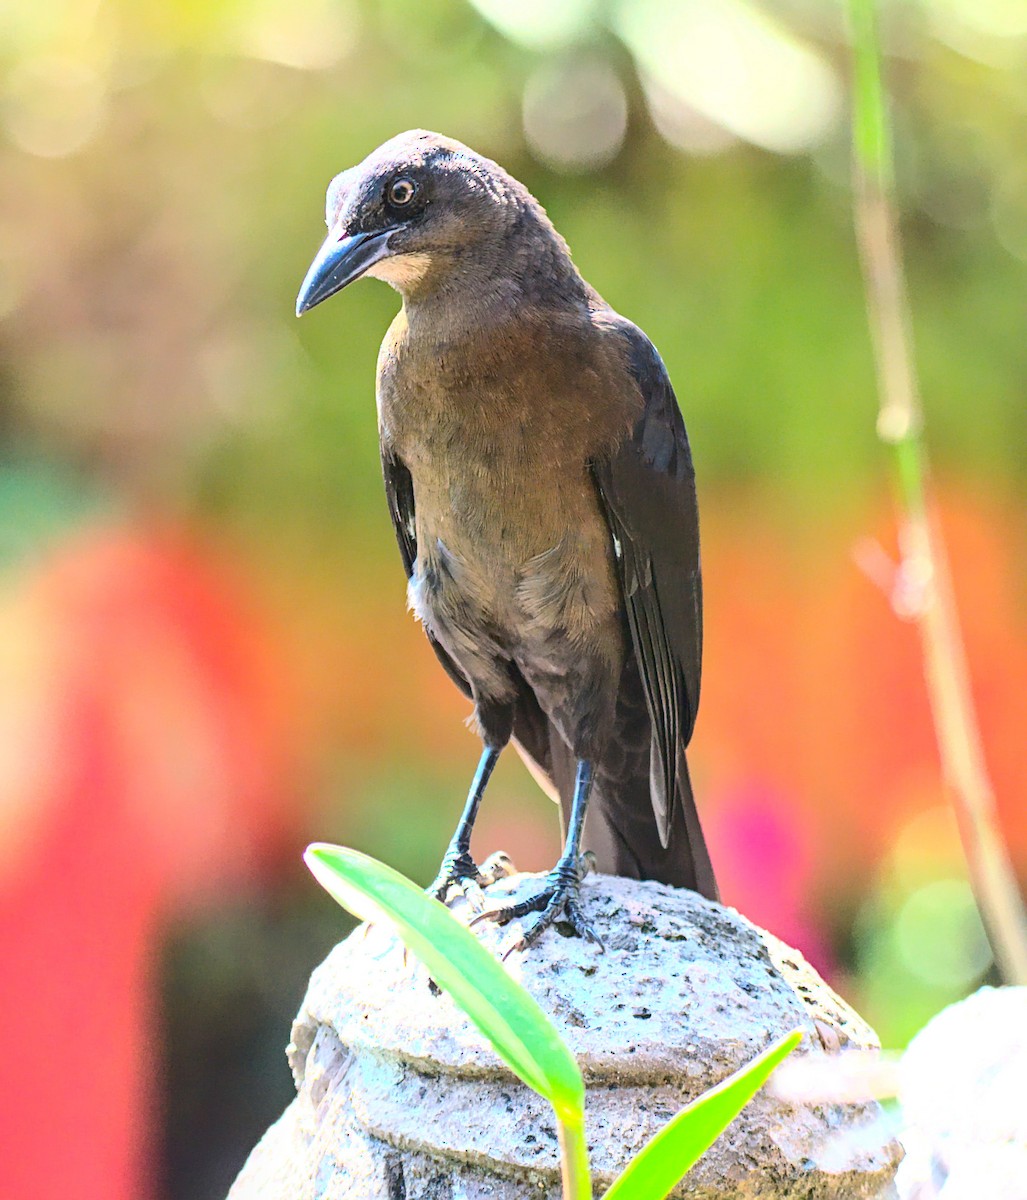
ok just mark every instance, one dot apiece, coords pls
pixel 400 1098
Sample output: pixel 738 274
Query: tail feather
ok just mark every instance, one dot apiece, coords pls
pixel 621 828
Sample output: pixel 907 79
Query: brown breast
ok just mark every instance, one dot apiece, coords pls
pixel 497 431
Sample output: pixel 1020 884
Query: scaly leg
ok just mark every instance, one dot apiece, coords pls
pixel 561 893
pixel 458 868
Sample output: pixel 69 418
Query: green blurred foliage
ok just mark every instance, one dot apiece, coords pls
pixel 207 162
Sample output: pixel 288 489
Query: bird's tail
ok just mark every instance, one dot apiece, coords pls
pixel 621 831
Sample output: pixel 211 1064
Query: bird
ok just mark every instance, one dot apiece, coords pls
pixel 542 490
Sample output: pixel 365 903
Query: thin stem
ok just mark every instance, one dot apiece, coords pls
pixel 577 1179
pixel 924 559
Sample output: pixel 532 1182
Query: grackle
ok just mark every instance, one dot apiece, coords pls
pixel 541 486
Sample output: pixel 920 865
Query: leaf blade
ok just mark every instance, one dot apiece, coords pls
pixel 508 1016
pixel 670 1154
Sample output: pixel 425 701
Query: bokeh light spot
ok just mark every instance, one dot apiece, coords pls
pixel 734 65
pixel 575 114
pixel 53 106
pixel 926 848
pixel 311 36
pixel 939 936
pixel 682 125
pixel 540 24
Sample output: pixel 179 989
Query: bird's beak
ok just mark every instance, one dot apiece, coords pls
pixel 341 259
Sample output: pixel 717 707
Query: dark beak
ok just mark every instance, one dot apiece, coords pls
pixel 339 261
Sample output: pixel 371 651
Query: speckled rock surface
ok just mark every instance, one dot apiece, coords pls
pixel 400 1098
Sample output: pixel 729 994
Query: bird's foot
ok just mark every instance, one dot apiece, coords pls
pixel 559 899
pixel 460 871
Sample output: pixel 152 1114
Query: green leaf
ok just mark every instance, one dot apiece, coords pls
pixel 506 1014
pixel 679 1145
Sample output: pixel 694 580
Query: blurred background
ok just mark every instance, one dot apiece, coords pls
pixel 205 659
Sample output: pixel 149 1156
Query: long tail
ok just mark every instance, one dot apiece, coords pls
pixel 620 825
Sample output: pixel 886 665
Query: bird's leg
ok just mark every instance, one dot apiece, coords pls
pixel 561 894
pixel 458 868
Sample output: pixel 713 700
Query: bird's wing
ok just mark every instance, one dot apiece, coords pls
pixel 647 492
pixel 399 490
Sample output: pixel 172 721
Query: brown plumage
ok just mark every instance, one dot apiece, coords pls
pixel 541 485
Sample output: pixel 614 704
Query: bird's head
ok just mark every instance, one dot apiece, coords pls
pixel 413 210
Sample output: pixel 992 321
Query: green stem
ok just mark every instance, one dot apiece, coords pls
pixel 871 131
pixel 577 1179
pixel 924 560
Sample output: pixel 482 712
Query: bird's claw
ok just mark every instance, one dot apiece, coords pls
pixel 559 899
pixel 459 870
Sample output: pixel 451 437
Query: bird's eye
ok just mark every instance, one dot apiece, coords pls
pixel 401 192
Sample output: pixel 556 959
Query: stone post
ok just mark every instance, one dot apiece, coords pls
pixel 400 1098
